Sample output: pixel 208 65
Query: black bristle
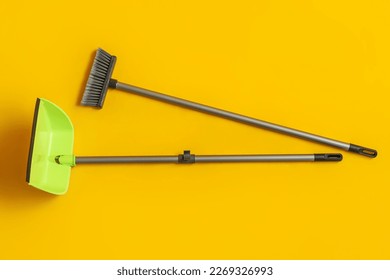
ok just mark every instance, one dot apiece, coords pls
pixel 98 80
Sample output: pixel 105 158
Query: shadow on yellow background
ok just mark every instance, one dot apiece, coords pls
pixel 13 143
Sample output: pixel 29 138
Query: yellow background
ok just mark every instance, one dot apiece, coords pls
pixel 319 66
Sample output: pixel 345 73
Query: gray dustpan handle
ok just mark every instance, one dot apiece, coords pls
pixel 243 119
pixel 187 157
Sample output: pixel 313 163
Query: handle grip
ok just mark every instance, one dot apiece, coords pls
pixel 363 151
pixel 328 157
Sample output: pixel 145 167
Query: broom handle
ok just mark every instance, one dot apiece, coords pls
pixel 243 119
pixel 187 157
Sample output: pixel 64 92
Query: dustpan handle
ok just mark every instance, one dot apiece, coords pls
pixel 187 158
pixel 243 119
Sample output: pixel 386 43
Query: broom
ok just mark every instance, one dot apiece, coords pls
pixel 100 80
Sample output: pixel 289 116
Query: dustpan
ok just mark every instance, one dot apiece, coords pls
pixel 51 152
pixel 52 135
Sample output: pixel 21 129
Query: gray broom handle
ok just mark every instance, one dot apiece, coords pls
pixel 243 119
pixel 187 157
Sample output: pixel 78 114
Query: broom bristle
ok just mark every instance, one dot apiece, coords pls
pixel 98 80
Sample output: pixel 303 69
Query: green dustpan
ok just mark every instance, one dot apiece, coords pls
pixel 51 152
pixel 52 135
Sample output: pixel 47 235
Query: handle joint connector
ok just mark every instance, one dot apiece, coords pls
pixel 186 157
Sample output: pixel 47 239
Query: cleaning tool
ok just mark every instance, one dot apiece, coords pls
pixel 100 80
pixel 51 152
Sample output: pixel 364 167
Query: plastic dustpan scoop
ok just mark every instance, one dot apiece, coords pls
pixel 52 135
pixel 51 152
